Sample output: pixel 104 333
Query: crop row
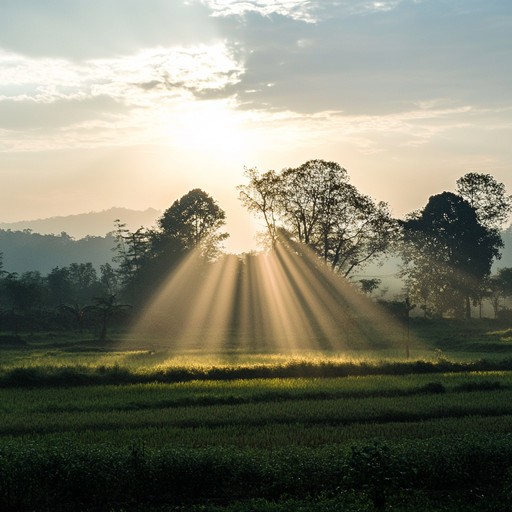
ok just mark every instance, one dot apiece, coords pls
pixel 337 411
pixel 271 436
pixel 80 375
pixel 197 393
pixel 62 477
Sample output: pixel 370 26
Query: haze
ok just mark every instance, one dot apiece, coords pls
pixel 129 103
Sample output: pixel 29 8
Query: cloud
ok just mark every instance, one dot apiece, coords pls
pixel 356 71
pixel 195 69
pixel 29 115
pixel 299 10
pixel 97 96
pixel 369 57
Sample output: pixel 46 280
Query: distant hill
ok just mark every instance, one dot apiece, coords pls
pixel 23 251
pixel 44 244
pixel 87 224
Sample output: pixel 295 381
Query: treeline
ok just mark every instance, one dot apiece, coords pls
pixel 26 250
pixel 70 297
pixel 79 296
pixel 447 248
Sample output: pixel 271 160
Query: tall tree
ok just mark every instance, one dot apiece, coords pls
pixel 261 196
pixel 500 287
pixel 132 250
pixel 147 256
pixel 310 195
pixel 448 253
pixel 487 196
pixel 316 204
pixel 193 220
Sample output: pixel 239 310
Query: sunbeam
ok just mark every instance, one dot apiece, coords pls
pixel 286 300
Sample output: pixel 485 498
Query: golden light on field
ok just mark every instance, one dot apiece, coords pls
pixel 286 300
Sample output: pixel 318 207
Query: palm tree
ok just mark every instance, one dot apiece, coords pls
pixel 78 312
pixel 107 307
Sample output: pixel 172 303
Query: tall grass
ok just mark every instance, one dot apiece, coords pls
pixel 79 375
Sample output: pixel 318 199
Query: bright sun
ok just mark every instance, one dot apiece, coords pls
pixel 213 128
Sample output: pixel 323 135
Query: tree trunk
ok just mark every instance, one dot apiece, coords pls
pixel 468 307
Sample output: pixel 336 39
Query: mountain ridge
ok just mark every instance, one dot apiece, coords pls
pixel 81 225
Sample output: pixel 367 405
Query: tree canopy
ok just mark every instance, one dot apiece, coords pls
pixel 193 220
pixel 448 253
pixel 316 204
pixel 146 256
pixel 487 196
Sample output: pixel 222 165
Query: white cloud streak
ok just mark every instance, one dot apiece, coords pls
pixel 162 71
pixel 300 10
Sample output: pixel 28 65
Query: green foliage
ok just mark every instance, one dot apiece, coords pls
pixel 390 435
pixel 448 254
pixel 61 476
pixel 193 220
pixel 115 374
pixel 487 196
pixel 317 206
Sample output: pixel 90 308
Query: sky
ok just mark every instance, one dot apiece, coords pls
pixel 133 103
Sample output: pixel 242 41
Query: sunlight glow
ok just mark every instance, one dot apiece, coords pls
pixel 213 126
pixel 284 301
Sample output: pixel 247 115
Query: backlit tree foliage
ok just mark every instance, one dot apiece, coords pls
pixel 448 254
pixel 316 205
pixel 487 196
pixel 146 256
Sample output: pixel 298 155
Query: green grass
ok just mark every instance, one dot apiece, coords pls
pixel 263 414
pixel 91 427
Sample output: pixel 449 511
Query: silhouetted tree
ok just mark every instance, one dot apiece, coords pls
pixel 261 196
pixel 78 312
pixel 487 196
pixel 84 280
pixel 500 287
pixel 132 250
pixel 60 289
pixel 147 256
pixel 25 292
pixel 448 253
pixel 107 307
pixel 193 220
pixel 109 279
pixel 369 285
pixel 75 283
pixel 316 204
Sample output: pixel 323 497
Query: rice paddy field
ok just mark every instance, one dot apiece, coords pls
pixel 119 428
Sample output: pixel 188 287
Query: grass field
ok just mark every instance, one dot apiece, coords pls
pixel 89 427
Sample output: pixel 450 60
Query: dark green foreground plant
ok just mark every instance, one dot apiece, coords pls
pixel 63 477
